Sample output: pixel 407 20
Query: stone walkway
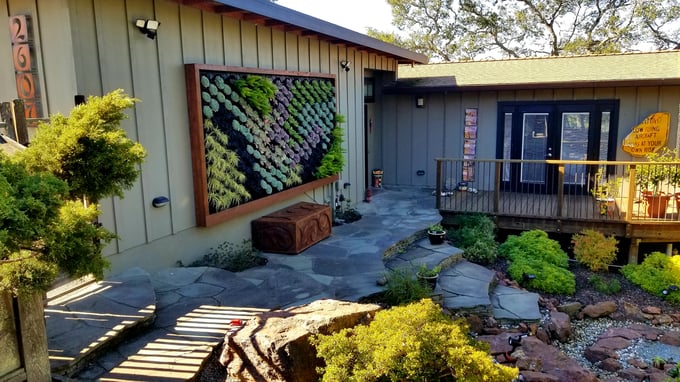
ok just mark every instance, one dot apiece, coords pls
pixel 162 326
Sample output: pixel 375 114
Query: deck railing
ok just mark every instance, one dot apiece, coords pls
pixel 560 189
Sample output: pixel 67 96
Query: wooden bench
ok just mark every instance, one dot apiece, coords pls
pixel 292 229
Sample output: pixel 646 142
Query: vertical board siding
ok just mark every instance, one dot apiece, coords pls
pixel 212 38
pixel 8 91
pixel 93 48
pixel 58 74
pixel 149 120
pixel 402 123
pixel 113 34
pixel 174 104
pixel 231 35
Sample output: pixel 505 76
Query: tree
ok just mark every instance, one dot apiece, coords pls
pixel 44 224
pixel 471 29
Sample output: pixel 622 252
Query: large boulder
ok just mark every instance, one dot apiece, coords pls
pixel 275 346
pixel 555 362
pixel 560 326
pixel 601 309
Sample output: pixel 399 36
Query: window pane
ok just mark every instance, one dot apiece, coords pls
pixel 575 145
pixel 534 143
pixel 507 144
pixel 604 135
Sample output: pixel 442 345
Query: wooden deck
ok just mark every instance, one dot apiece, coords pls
pixel 562 211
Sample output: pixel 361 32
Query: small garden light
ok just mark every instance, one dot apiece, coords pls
pixel 528 276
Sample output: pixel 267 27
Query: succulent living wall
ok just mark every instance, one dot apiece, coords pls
pixel 266 133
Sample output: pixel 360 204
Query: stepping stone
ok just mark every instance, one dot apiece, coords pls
pixel 511 305
pixel 465 287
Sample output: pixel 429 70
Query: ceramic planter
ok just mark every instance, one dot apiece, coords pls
pixel 429 281
pixel 437 237
pixel 656 204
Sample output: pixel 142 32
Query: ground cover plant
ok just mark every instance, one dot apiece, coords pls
pixel 403 287
pixel 232 257
pixel 475 235
pixel 538 262
pixel 416 342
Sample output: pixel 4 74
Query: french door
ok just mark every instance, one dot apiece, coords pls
pixel 537 131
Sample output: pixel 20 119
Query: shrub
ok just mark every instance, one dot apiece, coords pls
pixel 656 273
pixel 594 250
pixel 547 277
pixel 605 286
pixel 416 342
pixel 534 253
pixel 534 244
pixel 403 287
pixel 232 257
pixel 476 237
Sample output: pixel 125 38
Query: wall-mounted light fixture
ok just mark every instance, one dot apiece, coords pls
pixel 345 65
pixel 160 201
pixel 420 102
pixel 148 27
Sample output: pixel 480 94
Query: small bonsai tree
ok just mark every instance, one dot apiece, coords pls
pixel 46 226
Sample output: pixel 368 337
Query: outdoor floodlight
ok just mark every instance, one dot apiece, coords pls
pixel 345 65
pixel 148 27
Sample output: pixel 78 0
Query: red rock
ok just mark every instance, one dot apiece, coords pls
pixel 597 353
pixel 498 343
pixel 614 343
pixel 636 362
pixel 530 364
pixel 601 309
pixel 631 374
pixel 626 333
pixel 555 362
pixel 559 326
pixel 610 364
pixel 632 312
pixel 670 338
pixel 534 376
pixel 651 310
pixel 664 319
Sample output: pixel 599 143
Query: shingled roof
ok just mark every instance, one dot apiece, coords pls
pixel 629 69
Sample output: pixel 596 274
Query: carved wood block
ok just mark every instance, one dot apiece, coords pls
pixel 292 229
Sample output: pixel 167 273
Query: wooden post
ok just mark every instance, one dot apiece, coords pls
pixel 19 119
pixel 34 337
pixel 633 251
pixel 560 189
pixel 631 199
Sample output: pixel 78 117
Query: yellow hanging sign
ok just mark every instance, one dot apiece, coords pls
pixel 649 136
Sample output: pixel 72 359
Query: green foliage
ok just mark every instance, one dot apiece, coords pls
pixel 41 232
pixel 425 271
pixel 534 253
pixel 334 159
pixel 258 91
pixel 403 287
pixel 410 343
pixel 534 244
pixel 655 274
pixel 594 250
pixel 605 286
pixel 650 177
pixel 232 257
pixel 469 30
pixel 88 149
pixel 475 235
pixel 436 228
pixel 225 181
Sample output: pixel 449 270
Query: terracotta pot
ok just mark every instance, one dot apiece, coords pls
pixel 656 204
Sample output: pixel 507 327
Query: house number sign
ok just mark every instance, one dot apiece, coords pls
pixel 24 67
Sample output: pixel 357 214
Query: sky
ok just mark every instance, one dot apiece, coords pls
pixel 351 14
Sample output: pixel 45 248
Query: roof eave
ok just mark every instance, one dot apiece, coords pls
pixel 272 15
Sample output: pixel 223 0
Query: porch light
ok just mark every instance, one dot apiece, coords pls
pixel 420 102
pixel 345 65
pixel 148 27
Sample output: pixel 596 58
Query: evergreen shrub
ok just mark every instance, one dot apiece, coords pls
pixel 655 274
pixel 594 250
pixel 416 342
pixel 536 261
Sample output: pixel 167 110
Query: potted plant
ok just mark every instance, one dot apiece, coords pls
pixel 605 191
pixel 651 178
pixel 428 276
pixel 436 233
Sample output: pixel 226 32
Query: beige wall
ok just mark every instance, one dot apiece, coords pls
pixel 414 137
pixel 91 47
